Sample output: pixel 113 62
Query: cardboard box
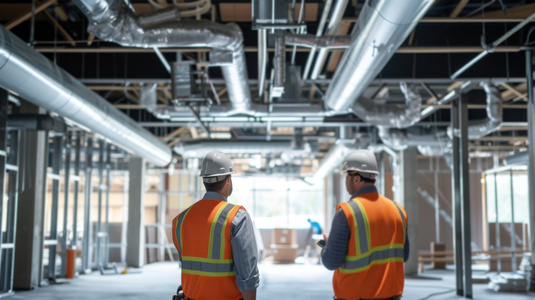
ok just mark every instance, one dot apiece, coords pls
pixel 284 253
pixel 283 236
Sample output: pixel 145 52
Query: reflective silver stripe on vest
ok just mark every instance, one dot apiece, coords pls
pixel 216 246
pixel 377 255
pixel 177 229
pixel 361 226
pixel 402 220
pixel 209 267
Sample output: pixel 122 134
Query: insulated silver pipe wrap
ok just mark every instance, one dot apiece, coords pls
pixel 493 122
pixel 198 150
pixel 391 115
pixel 381 28
pixel 36 79
pixel 115 21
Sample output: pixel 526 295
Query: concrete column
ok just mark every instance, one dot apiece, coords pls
pixel 135 251
pixel 32 186
pixel 407 195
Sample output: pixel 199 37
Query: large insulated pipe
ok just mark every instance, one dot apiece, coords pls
pixel 382 26
pixel 493 122
pixel 332 29
pixel 399 139
pixel 391 115
pixel 480 128
pixel 115 21
pixel 334 158
pixel 199 150
pixel 36 79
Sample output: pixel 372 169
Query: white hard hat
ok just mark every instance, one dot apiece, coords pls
pixel 215 167
pixel 361 161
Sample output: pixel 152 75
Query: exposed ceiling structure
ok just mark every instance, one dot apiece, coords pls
pixel 278 82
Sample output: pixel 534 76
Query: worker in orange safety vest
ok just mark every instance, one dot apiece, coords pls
pixel 368 241
pixel 215 240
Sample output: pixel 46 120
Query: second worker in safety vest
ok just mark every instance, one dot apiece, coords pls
pixel 216 241
pixel 368 241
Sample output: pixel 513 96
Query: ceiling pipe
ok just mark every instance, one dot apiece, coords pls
pixel 493 122
pixel 335 157
pixel 198 150
pixel 332 30
pixel 382 26
pixel 400 139
pixel 115 21
pixel 319 32
pixel 391 115
pixel 312 41
pixel 33 77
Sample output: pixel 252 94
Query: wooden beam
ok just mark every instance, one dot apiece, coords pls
pixel 455 13
pixel 335 56
pixel 450 88
pixel 222 91
pixel 62 30
pixel 520 12
pixel 28 15
pixel 175 132
pixel 513 92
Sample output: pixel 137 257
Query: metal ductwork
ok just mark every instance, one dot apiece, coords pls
pixel 517 158
pixel 312 41
pixel 334 158
pixel 480 128
pixel 493 122
pixel 199 150
pixel 36 79
pixel 391 115
pixel 382 27
pixel 115 21
pixel 400 139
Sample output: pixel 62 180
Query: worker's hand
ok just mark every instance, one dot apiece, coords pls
pixel 325 238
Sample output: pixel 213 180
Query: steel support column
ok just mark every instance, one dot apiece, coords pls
pixel 456 200
pixel 66 192
pixel 32 186
pixel 100 234
pixel 530 73
pixel 407 194
pixel 75 189
pixel 3 161
pixel 87 247
pixel 465 200
pixel 461 199
pixel 52 239
pixel 136 228
pixel 107 212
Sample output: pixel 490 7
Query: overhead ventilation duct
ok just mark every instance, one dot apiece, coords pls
pixel 334 158
pixel 381 28
pixel 480 128
pixel 493 122
pixel 517 158
pixel 147 96
pixel 391 115
pixel 199 150
pixel 36 79
pixel 399 139
pixel 115 21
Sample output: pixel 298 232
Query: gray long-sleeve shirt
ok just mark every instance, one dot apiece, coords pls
pixel 244 251
pixel 334 253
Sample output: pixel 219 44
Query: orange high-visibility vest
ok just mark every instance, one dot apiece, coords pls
pixel 373 267
pixel 201 234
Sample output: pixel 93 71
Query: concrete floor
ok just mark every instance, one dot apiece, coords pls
pixel 301 282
